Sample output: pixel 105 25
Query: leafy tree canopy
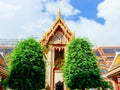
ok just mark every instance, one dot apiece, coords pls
pixel 27 67
pixel 80 67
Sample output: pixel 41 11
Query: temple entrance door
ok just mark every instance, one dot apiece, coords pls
pixel 59 86
pixel 57 72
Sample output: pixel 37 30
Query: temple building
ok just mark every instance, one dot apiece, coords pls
pixel 109 64
pixel 105 55
pixel 55 41
pixel 6 46
pixel 3 70
pixel 114 71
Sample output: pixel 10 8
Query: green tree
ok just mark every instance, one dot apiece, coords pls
pixel 27 67
pixel 105 85
pixel 80 68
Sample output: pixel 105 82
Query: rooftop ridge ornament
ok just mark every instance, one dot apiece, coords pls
pixel 58 24
pixel 59 13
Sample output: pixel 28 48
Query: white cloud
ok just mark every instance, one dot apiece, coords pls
pixel 45 20
pixel 87 28
pixel 66 8
pixel 107 34
pixel 21 13
pixel 29 19
pixel 109 9
pixel 39 27
pixel 7 10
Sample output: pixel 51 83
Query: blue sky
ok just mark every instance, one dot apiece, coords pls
pixel 88 9
pixel 99 20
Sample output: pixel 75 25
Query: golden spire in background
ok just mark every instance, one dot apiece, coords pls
pixel 59 13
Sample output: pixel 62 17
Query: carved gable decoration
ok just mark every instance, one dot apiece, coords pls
pixel 3 70
pixel 116 61
pixel 2 61
pixel 59 38
pixel 58 33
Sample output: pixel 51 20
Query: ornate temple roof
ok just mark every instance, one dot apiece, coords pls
pixel 105 55
pixel 116 61
pixel 59 24
pixel 3 70
pixel 9 42
pixel 115 66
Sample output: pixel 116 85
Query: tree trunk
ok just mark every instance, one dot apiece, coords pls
pixel 83 88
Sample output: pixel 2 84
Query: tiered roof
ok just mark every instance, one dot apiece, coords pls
pixel 9 42
pixel 105 55
pixel 115 66
pixel 59 24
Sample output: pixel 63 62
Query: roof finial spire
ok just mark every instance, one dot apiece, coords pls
pixel 59 13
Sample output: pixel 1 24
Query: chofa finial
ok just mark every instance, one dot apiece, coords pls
pixel 59 13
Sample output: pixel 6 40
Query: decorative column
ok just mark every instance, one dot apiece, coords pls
pixel 49 67
pixel 52 68
pixel 116 83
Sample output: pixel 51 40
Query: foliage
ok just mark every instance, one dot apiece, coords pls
pixel 105 84
pixel 27 67
pixel 80 68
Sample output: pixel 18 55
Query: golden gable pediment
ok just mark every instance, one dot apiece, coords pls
pixel 59 38
pixel 58 26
